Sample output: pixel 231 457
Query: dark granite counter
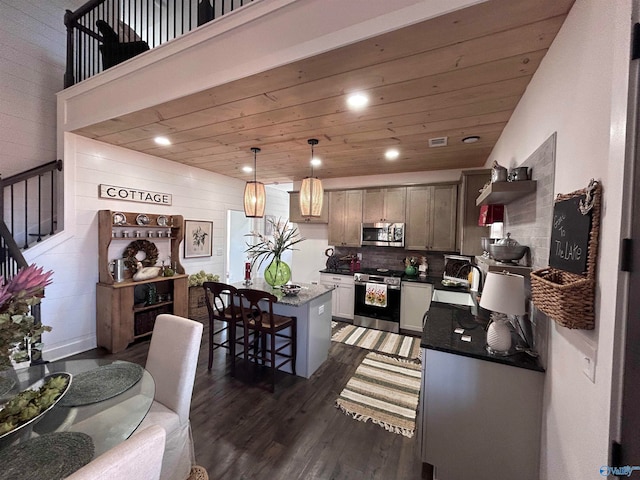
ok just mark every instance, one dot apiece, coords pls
pixel 338 271
pixel 439 334
pixel 307 293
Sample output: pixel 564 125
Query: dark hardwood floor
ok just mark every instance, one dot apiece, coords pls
pixel 242 431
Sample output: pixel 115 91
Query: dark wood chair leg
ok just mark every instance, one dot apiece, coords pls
pixel 231 329
pixel 273 361
pixel 210 343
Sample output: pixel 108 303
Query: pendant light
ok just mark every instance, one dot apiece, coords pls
pixel 311 191
pixel 254 194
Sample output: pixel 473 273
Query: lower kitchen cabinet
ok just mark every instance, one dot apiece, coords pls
pixel 343 294
pixel 479 419
pixel 414 302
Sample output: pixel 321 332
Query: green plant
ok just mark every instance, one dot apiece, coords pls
pixel 285 236
pixel 197 279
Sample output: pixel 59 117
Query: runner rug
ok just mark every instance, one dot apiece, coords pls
pixel 384 390
pixel 385 342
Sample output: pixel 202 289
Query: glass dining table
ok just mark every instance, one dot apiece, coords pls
pixel 107 421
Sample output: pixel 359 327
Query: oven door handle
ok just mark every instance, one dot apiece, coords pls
pixel 390 287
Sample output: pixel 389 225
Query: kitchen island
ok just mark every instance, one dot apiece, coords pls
pixel 480 413
pixel 312 308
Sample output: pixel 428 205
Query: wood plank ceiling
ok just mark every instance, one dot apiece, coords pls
pixel 457 75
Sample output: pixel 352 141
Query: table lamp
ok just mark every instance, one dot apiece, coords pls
pixel 503 293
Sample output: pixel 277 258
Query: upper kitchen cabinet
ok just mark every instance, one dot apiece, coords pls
pixel 345 218
pixel 431 217
pixel 294 210
pixel 470 233
pixel 384 205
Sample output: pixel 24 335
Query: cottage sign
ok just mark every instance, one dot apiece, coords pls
pixel 134 195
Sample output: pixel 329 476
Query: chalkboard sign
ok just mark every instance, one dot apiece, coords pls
pixel 570 236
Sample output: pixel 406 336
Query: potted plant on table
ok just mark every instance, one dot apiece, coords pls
pixel 18 328
pixel 285 236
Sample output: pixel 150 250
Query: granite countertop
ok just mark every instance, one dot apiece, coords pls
pixel 307 293
pixel 444 318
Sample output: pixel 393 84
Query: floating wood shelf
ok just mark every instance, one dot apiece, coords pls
pixel 501 193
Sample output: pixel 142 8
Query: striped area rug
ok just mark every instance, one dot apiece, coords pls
pixel 384 390
pixel 385 342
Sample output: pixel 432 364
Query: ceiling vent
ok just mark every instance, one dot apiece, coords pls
pixel 438 142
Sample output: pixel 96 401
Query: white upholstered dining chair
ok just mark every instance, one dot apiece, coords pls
pixel 139 458
pixel 172 360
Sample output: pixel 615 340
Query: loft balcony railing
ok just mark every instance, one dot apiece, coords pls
pixel 103 33
pixel 29 203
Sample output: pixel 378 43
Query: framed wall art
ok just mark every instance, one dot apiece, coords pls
pixel 198 239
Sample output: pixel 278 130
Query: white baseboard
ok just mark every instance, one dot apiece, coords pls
pixel 76 346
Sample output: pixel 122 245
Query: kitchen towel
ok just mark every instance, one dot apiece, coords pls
pixel 384 390
pixel 376 294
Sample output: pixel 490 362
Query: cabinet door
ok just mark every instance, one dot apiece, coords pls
pixel 373 206
pixel 394 205
pixel 325 279
pixel 353 218
pixel 337 217
pixel 384 205
pixel 296 216
pixel 443 217
pixel 418 218
pixel 345 301
pixel 415 301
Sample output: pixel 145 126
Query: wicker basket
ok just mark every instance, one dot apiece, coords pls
pixel 197 303
pixel 569 298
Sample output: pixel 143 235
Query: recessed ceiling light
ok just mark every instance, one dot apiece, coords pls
pixel 247 169
pixel 357 100
pixel 391 154
pixel 316 162
pixel 471 139
pixel 164 141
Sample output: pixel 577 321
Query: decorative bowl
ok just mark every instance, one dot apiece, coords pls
pixel 291 289
pixel 507 253
pixel 21 420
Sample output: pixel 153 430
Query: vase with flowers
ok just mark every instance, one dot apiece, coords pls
pixel 284 237
pixel 17 326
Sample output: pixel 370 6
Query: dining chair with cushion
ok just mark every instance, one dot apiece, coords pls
pixel 222 305
pixel 270 345
pixel 139 457
pixel 172 360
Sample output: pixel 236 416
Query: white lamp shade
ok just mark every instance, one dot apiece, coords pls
pixel 504 293
pixel 311 195
pixel 254 199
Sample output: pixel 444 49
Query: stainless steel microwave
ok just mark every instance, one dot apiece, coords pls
pixel 383 234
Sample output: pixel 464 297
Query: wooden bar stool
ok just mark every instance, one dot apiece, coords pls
pixel 269 342
pixel 221 306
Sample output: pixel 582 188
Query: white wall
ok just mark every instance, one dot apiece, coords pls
pixel 32 55
pixel 573 93
pixel 70 306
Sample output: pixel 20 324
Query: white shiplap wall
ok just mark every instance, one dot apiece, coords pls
pixel 32 64
pixel 70 306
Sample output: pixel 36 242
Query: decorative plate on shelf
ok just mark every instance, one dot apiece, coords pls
pixel 119 218
pixel 30 405
pixel 142 219
pixel 162 221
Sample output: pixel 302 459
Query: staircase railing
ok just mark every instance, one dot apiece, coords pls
pixel 138 25
pixel 29 203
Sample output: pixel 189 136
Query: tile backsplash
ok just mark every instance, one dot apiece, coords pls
pixel 392 258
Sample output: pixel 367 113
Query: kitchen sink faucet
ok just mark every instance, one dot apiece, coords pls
pixel 471 266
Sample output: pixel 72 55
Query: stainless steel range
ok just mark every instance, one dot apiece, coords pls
pixel 377 299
